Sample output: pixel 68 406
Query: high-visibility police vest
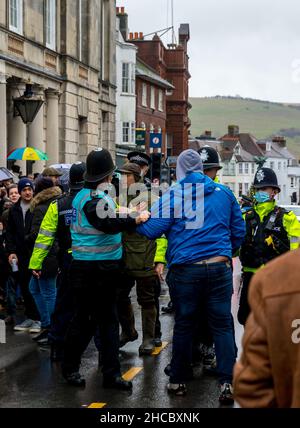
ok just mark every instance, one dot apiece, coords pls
pixel 88 243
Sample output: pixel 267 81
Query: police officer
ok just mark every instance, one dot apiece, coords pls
pixel 270 232
pixel 95 272
pixel 144 162
pixel 140 255
pixel 56 227
pixel 211 162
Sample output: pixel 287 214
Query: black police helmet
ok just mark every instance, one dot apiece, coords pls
pixel 210 158
pixel 99 165
pixel 265 177
pixel 76 175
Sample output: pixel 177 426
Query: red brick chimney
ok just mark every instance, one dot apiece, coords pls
pixel 281 141
pixel 233 130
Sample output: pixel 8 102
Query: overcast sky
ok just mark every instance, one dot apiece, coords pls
pixel 238 47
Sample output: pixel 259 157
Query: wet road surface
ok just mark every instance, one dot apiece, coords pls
pixel 37 383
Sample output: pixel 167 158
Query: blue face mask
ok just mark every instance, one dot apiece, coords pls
pixel 262 197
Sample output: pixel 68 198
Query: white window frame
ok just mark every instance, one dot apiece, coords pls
pixel 144 95
pixel 253 168
pixel 246 168
pixel 272 165
pixel 152 98
pixel 279 166
pixel 50 18
pixel 18 28
pixel 161 100
pixel 124 127
pixel 126 78
pixel 241 169
pixel 246 187
pixel 133 132
pixel 132 78
pixel 241 190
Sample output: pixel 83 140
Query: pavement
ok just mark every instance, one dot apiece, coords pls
pixel 28 379
pixel 18 346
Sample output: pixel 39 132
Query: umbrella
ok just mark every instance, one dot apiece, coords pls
pixel 27 154
pixel 5 174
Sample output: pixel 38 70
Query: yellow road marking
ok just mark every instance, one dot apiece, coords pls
pixel 158 350
pixel 96 406
pixel 131 373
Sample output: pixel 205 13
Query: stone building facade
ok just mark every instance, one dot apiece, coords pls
pixel 66 50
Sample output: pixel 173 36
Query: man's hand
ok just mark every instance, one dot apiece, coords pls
pixel 37 274
pixel 159 269
pixel 11 257
pixel 1 227
pixel 143 217
pixel 141 207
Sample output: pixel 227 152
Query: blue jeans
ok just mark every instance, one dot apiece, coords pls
pixel 43 291
pixel 191 287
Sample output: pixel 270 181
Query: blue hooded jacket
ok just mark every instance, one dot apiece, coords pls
pixel 221 233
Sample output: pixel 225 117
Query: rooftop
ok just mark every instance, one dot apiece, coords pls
pixel 147 73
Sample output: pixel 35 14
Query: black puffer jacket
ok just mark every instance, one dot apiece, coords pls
pixel 39 207
pixel 16 232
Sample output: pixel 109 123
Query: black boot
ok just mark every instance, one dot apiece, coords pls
pixel 148 323
pixel 117 383
pixel 74 379
pixel 127 321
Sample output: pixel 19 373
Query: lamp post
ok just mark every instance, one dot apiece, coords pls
pixel 27 106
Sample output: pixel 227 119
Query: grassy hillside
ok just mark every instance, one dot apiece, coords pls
pixel 263 119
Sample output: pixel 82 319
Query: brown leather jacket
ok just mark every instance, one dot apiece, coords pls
pixel 268 373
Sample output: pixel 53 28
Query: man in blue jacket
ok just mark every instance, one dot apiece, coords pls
pixel 204 227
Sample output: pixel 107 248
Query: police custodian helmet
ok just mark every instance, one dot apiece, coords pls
pixel 99 165
pixel 265 177
pixel 210 158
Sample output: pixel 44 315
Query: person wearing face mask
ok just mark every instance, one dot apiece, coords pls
pixel 270 232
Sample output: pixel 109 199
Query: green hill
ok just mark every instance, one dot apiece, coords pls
pixel 263 119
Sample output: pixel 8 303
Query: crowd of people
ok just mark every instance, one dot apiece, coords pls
pixel 72 258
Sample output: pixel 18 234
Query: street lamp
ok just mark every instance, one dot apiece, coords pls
pixel 28 106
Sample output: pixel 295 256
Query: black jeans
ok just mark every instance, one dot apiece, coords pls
pixel 94 291
pixel 244 308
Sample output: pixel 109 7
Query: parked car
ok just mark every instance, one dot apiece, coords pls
pixel 294 208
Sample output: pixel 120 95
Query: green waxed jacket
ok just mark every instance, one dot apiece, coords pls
pixel 140 253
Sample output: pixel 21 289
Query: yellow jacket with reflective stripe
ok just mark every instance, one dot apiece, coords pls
pixel 46 237
pixel 290 224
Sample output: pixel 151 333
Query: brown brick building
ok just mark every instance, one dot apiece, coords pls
pixel 172 64
pixel 151 109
